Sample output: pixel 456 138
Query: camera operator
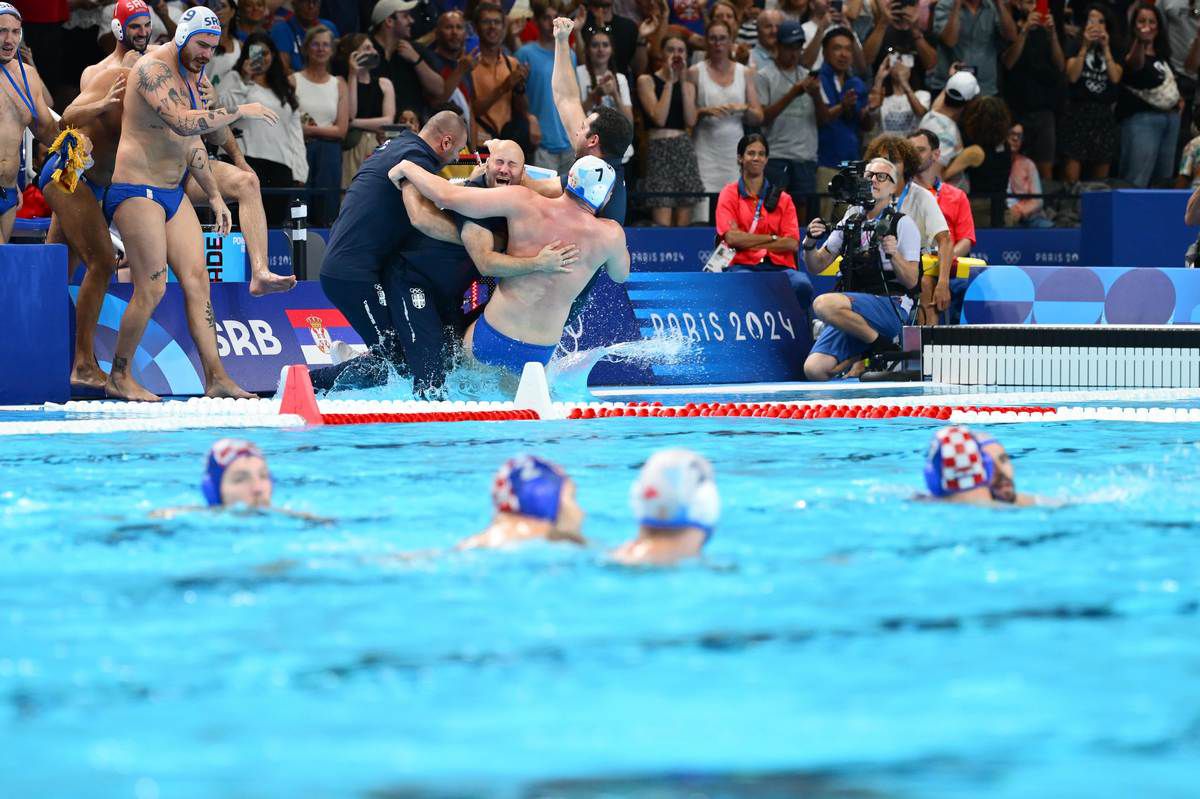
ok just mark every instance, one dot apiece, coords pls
pixel 758 221
pixel 881 251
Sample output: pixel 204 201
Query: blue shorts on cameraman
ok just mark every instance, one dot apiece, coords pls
pixel 883 314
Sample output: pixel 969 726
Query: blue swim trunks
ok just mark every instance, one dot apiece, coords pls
pixel 496 349
pixel 169 199
pixel 883 314
pixel 8 199
pixel 47 174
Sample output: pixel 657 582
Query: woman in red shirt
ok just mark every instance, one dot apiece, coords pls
pixel 759 222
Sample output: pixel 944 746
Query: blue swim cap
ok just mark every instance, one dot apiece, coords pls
pixel 956 462
pixel 530 486
pixel 221 457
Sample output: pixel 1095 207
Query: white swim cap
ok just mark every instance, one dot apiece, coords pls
pixel 591 180
pixel 676 488
pixel 196 19
pixel 9 8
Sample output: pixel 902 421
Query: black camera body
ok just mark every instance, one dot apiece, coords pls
pixel 850 187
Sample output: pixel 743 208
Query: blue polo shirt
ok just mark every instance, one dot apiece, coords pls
pixel 841 139
pixel 373 223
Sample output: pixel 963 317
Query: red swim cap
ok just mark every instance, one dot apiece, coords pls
pixel 124 11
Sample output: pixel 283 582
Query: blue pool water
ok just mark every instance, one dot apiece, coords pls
pixel 839 639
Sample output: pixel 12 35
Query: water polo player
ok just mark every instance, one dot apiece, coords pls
pixel 676 504
pixel 534 500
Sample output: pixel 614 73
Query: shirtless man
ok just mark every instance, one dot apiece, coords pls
pixel 160 144
pixel 237 182
pixel 23 106
pixel 524 319
pixel 535 501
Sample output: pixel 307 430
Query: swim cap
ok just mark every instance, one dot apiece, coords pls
pixel 196 20
pixel 676 488
pixel 591 180
pixel 956 462
pixel 530 486
pixel 221 457
pixel 124 11
pixel 9 8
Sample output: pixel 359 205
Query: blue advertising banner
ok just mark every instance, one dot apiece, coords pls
pixel 35 350
pixel 1012 246
pixel 1135 227
pixel 1083 296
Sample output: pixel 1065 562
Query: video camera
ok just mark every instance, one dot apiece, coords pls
pixel 850 187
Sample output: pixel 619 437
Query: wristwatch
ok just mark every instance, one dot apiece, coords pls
pixel 774 237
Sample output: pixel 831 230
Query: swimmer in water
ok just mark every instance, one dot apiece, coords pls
pixel 535 500
pixel 525 317
pixel 159 148
pixel 971 468
pixel 676 504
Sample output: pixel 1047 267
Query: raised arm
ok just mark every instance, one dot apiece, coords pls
pixel 468 201
pixel 153 81
pixel 563 83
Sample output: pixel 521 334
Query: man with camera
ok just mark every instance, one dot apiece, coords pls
pixel 881 251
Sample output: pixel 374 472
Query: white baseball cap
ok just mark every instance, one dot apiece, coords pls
pixel 962 87
pixel 385 8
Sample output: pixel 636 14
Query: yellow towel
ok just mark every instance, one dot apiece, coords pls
pixel 74 151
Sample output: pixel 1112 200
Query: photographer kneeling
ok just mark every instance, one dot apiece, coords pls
pixel 758 222
pixel 881 251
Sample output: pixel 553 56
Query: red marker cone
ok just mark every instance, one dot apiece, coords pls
pixel 297 395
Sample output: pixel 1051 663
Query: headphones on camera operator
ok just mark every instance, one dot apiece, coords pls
pixel 862 268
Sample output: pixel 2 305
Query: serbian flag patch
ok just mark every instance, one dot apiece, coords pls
pixel 317 332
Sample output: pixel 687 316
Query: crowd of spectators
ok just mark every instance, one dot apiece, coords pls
pixel 1017 92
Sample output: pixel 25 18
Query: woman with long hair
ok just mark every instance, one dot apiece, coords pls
pixel 900 105
pixel 275 153
pixel 372 101
pixel 985 159
pixel 1149 102
pixel 598 84
pixel 669 107
pixel 1089 128
pixel 726 100
pixel 325 106
pixel 229 48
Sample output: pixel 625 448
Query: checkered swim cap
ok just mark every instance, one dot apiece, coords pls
pixel 530 486
pixel 956 462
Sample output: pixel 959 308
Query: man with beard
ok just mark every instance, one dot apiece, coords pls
pixel 160 146
pixel 24 106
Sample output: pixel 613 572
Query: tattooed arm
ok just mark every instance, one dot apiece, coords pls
pixel 154 82
pixel 202 171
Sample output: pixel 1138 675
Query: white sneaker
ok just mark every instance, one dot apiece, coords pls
pixel 817 327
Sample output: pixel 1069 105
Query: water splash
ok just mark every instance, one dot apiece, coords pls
pixel 568 371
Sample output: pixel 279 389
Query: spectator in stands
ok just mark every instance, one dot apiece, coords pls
pixel 918 204
pixel 229 49
pixel 555 151
pixel 972 33
pixel 1024 179
pixel 1089 127
pixel 1034 77
pixel 688 15
pixel 986 159
pixel 288 33
pixel 768 35
pixel 598 84
pixel 938 290
pixel 726 99
pixel 747 12
pixel 725 12
pixel 253 17
pixel 668 102
pixel 403 61
pixel 947 109
pixel 372 102
pixel 1182 21
pixel 900 107
pixel 409 118
pixel 896 33
pixel 842 113
pixel 1149 103
pixel 628 43
pixel 275 153
pixel 758 220
pixel 789 94
pixel 450 59
pixel 497 76
pixel 325 110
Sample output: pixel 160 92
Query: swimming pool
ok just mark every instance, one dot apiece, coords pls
pixel 839 639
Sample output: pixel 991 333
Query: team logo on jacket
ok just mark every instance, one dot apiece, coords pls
pixel 418 298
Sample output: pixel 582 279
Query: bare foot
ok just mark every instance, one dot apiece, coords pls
pixel 225 387
pixel 265 283
pixel 125 387
pixel 88 375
